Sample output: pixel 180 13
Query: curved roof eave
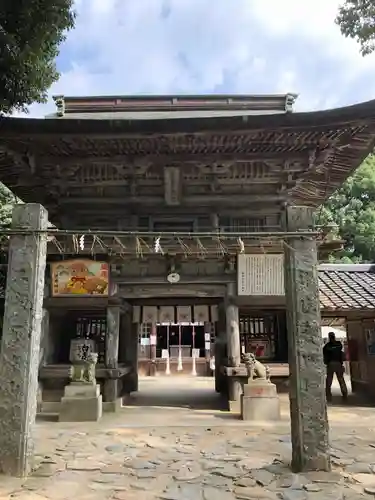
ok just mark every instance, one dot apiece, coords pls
pixel 339 116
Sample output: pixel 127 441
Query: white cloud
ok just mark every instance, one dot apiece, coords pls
pixel 200 46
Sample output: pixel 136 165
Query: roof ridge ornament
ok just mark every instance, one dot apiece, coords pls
pixel 290 99
pixel 60 105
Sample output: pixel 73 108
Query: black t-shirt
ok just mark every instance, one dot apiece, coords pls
pixel 332 352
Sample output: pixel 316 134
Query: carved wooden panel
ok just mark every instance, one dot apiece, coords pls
pixel 172 185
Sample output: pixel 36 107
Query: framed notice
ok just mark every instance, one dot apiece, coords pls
pixel 79 277
pixel 195 353
pixel 164 354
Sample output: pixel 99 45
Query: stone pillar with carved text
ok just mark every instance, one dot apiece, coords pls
pixel 309 423
pixel 20 348
pixel 112 351
pixel 233 343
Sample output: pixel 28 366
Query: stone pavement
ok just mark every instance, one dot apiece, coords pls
pixel 190 452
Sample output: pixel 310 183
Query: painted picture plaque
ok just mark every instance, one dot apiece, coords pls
pixel 80 277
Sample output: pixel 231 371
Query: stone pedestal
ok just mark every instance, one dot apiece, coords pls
pixel 81 403
pixel 260 401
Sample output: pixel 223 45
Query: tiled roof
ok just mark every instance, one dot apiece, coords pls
pixel 345 287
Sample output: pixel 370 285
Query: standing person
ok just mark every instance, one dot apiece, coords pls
pixel 334 360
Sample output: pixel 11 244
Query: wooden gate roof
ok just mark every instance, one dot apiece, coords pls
pixel 226 161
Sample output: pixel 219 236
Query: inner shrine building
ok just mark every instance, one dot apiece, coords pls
pixel 181 232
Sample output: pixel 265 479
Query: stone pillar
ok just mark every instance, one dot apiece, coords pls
pixel 112 351
pixel 19 356
pixel 307 392
pixel 233 343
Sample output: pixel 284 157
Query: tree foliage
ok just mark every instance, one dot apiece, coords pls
pixel 351 212
pixel 30 35
pixel 7 202
pixel 356 19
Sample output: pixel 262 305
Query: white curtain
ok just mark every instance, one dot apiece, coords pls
pixel 214 314
pixel 184 314
pixel 150 314
pixel 201 314
pixel 166 314
pixel 136 314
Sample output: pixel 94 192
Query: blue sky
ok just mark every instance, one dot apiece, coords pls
pixel 205 46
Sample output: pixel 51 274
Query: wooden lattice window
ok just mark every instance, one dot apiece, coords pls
pixel 174 226
pixel 93 329
pixel 259 334
pixel 242 224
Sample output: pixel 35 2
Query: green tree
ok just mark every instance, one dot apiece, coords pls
pixel 351 212
pixel 7 202
pixel 30 35
pixel 356 19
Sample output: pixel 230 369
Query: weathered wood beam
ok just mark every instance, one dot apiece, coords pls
pixel 235 182
pixel 229 199
pixel 194 291
pixel 162 211
pixel 163 159
pixel 172 185
pixel 160 280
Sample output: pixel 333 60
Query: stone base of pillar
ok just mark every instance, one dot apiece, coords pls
pixel 112 406
pixel 81 403
pixel 110 390
pixel 234 406
pixel 260 401
pixel 234 395
pixel 134 382
pixel 152 369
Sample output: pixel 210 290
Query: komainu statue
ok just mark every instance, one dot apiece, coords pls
pixel 255 369
pixel 83 372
